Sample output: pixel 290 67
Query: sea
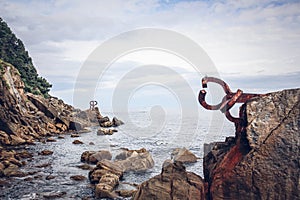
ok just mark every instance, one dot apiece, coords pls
pixel 160 136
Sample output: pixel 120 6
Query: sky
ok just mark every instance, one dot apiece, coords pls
pixel 253 44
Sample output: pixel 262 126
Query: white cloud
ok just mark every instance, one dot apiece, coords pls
pixel 243 38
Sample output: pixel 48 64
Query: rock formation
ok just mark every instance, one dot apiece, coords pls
pixel 262 162
pixel 106 174
pixel 95 156
pixel 103 131
pixel 173 183
pixel 106 123
pixel 10 162
pixel 183 155
pixel 25 117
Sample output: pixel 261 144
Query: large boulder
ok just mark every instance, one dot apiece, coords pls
pixel 138 160
pixel 93 157
pixel 117 122
pixel 174 182
pixel 263 160
pixel 183 155
pixel 107 173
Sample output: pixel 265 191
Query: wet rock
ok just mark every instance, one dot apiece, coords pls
pixel 106 185
pixel 123 155
pixel 86 155
pixel 23 154
pixel 85 167
pixel 137 162
pixel 117 122
pixel 75 126
pixel 125 193
pixel 13 160
pixel 103 131
pixel 103 120
pixel 95 156
pixel 13 171
pixel 49 177
pixel 51 139
pixel 61 137
pixel 77 142
pixel 263 160
pixel 100 155
pixel 173 183
pixel 2 167
pixel 127 153
pixel 61 127
pixel 85 130
pixel 106 174
pixel 183 155
pixel 10 163
pixel 103 167
pixel 75 135
pixel 53 195
pixel 78 178
pixel 4 183
pixel 16 140
pixel 91 143
pixel 44 165
pixel 106 124
pixel 28 179
pixel 4 138
pixel 46 152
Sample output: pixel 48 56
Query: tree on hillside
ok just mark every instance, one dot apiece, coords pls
pixel 12 50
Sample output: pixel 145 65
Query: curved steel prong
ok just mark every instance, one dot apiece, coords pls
pixel 231 118
pixel 201 99
pixel 228 100
pixel 231 101
pixel 225 87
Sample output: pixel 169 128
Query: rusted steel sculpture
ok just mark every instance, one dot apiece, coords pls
pixel 228 100
pixel 93 104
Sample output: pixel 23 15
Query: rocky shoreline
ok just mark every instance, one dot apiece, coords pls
pixel 260 162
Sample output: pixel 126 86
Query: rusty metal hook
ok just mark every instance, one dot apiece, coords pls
pixel 228 100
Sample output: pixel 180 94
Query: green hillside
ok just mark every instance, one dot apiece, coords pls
pixel 12 50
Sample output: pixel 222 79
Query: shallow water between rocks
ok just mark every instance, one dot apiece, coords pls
pixel 191 133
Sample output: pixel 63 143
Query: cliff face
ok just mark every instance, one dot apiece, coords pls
pixel 264 162
pixel 25 117
pixel 12 50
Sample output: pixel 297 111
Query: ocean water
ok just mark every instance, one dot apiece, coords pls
pixel 160 136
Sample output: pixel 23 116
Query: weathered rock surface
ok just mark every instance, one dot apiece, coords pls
pixel 117 122
pixel 173 183
pixel 77 142
pixel 106 123
pixel 95 156
pixel 103 131
pixel 263 161
pixel 10 162
pixel 78 178
pixel 107 173
pixel 46 152
pixel 183 155
pixel 25 117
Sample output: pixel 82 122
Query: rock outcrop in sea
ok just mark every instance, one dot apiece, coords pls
pixel 25 117
pixel 260 162
pixel 174 182
pixel 107 174
pixel 263 162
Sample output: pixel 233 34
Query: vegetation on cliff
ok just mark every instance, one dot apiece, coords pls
pixel 12 50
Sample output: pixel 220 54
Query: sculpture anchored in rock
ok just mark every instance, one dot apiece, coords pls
pixel 93 104
pixel 228 100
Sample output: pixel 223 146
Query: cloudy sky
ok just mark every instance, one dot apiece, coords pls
pixel 254 44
